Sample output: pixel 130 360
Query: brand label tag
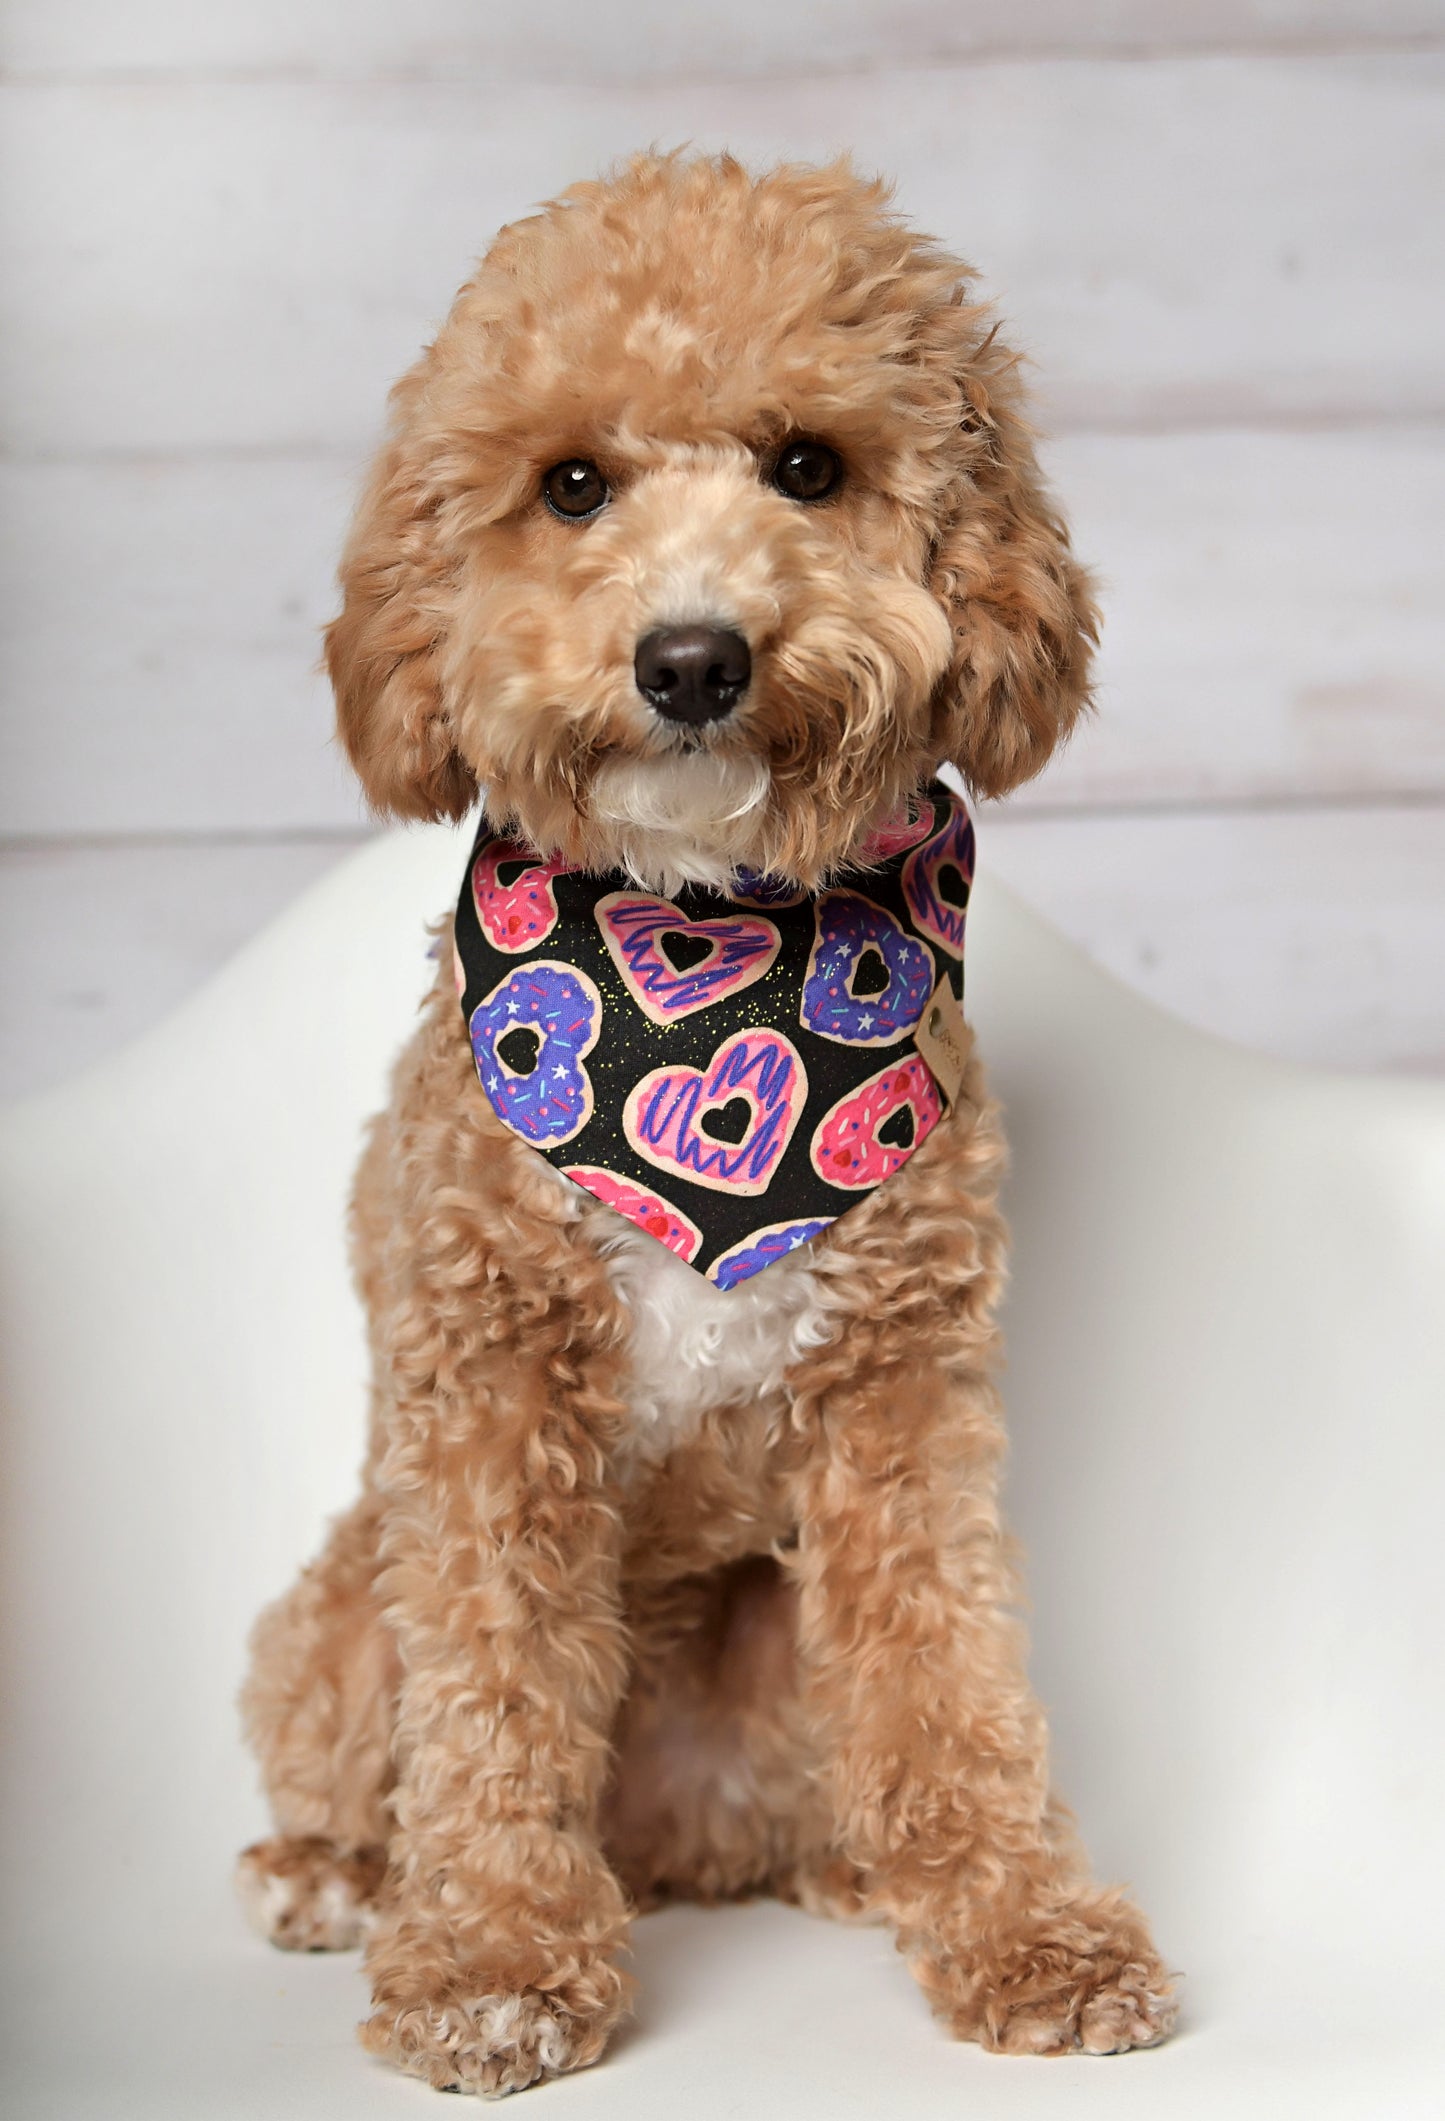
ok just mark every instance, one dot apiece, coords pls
pixel 943 1038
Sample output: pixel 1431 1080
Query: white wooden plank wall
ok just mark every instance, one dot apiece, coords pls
pixel 1218 228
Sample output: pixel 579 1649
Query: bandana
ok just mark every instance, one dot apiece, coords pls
pixel 730 1072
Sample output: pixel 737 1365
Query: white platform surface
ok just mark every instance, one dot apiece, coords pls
pixel 1227 1387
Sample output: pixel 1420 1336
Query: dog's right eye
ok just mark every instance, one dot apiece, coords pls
pixel 807 470
pixel 574 489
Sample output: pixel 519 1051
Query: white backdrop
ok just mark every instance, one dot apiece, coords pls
pixel 1217 225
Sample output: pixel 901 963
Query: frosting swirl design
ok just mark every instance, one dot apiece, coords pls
pixel 727 1124
pixel 671 965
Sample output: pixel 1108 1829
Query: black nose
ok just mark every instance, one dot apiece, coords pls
pixel 693 673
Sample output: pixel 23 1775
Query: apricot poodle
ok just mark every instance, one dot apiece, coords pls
pixel 708 531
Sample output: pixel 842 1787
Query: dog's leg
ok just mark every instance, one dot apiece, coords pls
pixel 494 1960
pixel 914 1669
pixel 318 1705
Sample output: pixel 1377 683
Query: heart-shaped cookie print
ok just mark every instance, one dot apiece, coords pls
pixel 671 965
pixel 725 1125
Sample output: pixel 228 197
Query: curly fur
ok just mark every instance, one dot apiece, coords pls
pixel 653 1591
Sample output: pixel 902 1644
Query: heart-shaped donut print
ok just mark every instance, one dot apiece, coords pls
pixel 754 887
pixel 513 896
pixel 725 1125
pixel 872 1132
pixel 937 879
pixel 529 1040
pixel 648 1210
pixel 671 965
pixel 764 1248
pixel 868 981
pixel 903 828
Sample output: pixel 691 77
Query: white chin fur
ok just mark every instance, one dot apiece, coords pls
pixel 686 818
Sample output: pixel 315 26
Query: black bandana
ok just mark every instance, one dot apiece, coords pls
pixel 731 1073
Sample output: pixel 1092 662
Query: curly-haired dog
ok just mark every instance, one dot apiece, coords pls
pixel 707 530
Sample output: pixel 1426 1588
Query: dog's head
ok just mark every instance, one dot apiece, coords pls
pixel 707 528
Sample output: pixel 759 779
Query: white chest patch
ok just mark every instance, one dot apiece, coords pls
pixel 696 1347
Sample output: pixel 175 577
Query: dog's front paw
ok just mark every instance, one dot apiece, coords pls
pixel 306 1895
pixel 1080 1976
pixel 489 2032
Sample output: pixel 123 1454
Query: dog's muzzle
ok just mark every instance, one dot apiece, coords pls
pixel 693 674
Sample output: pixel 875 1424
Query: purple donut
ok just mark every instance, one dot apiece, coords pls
pixel 761 1248
pixel 936 881
pixel 528 1039
pixel 754 888
pixel 851 930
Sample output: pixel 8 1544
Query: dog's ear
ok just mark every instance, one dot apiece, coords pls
pixel 382 652
pixel 1021 608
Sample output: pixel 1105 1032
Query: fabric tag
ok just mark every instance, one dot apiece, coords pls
pixel 943 1039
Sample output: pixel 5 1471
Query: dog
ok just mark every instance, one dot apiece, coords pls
pixel 708 531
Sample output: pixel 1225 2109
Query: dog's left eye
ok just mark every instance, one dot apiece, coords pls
pixel 574 489
pixel 808 471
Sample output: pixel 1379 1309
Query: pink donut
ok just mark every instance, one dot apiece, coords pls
pixel 874 1130
pixel 752 887
pixel 903 828
pixel 649 1211
pixel 513 895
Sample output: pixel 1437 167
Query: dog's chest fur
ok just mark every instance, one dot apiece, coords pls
pixel 695 1347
